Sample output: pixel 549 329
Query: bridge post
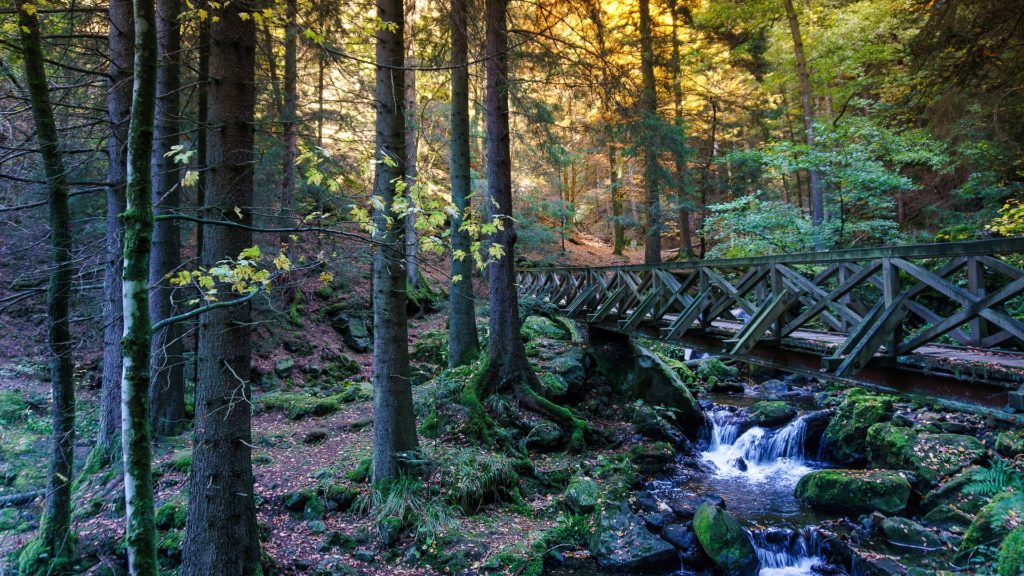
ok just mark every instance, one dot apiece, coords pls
pixel 891 288
pixel 976 286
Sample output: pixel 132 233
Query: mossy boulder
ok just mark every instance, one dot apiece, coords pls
pixel 993 523
pixel 951 493
pixel 535 327
pixel 1011 554
pixel 771 413
pixel 654 382
pixel 621 543
pixel 854 491
pixel 725 541
pixel 303 405
pixel 948 518
pixel 931 457
pixel 1010 443
pixel 171 514
pixel 846 434
pixel 904 532
pixel 340 497
pixel 354 331
pixel 283 368
pixel 296 501
pixel 581 495
pixel 651 458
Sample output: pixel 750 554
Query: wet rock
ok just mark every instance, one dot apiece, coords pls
pixel 814 433
pixel 904 532
pixel 725 541
pixel 622 543
pixel 740 464
pixel 658 520
pixel 948 518
pixel 684 507
pixel 771 413
pixel 685 540
pixel 727 387
pixel 580 495
pixel 775 386
pixel 951 493
pixel 847 433
pixel 930 457
pixel 654 382
pixel 283 367
pixel 648 423
pixel 990 525
pixel 653 458
pixel 354 331
pixel 854 491
pixel 646 501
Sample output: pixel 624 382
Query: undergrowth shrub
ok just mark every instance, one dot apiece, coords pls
pixel 473 478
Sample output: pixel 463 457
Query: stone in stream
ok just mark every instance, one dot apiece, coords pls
pixel 622 543
pixel 685 540
pixel 684 507
pixel 930 457
pixel 654 382
pixel 740 464
pixel 854 491
pixel 725 541
pixel 846 435
pixel 771 413
pixel 904 532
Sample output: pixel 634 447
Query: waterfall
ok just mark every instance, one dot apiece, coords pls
pixel 757 453
pixel 785 552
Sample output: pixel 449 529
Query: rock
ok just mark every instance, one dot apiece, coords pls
pixel 740 464
pixel 317 526
pixel 622 543
pixel 283 367
pixel 725 541
pixel 948 518
pixel 951 493
pixel 652 458
pixel 903 532
pixel 580 495
pixel 541 327
pixel 684 507
pixel 389 530
pixel 1011 554
pixel 354 331
pixel 991 523
pixel 569 367
pixel 727 387
pixel 854 491
pixel 771 413
pixel 685 540
pixel 545 435
pixel 654 382
pixel 814 432
pixel 646 500
pixel 657 520
pixel 340 496
pixel 775 387
pixel 364 555
pixel 846 435
pixel 648 423
pixel 314 437
pixel 314 509
pixel 296 501
pixel 931 457
pixel 1010 443
pixel 339 540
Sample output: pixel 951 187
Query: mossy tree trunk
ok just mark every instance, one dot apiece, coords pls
pixel 121 40
pixel 54 543
pixel 394 424
pixel 140 528
pixel 649 109
pixel 167 392
pixel 463 345
pixel 221 535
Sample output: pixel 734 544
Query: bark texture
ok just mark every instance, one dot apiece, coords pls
pixel 121 41
pixel 412 268
pixel 221 536
pixel 463 343
pixel 53 545
pixel 649 109
pixel 685 235
pixel 167 393
pixel 394 424
pixel 136 437
pixel 289 114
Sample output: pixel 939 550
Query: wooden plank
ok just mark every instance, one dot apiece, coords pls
pixel 685 320
pixel 758 325
pixel 852 282
pixel 875 333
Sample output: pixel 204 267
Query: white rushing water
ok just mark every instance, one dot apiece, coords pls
pixel 759 455
pixel 787 554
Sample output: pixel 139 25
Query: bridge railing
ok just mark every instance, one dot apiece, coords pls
pixel 857 303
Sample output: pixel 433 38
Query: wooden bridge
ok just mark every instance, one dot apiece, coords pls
pixel 942 317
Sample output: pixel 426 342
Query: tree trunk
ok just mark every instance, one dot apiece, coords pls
pixel 706 178
pixel 685 238
pixel 806 101
pixel 202 119
pixel 54 545
pixel 412 269
pixel 615 185
pixel 609 82
pixel 289 118
pixel 394 424
pixel 221 534
pixel 649 108
pixel 140 527
pixel 121 47
pixel 167 392
pixel 463 343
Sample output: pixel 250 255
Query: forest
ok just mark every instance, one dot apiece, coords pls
pixel 512 287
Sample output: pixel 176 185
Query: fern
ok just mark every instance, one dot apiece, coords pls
pixel 1000 476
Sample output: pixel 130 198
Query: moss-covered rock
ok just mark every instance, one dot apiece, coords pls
pixel 314 509
pixel 951 493
pixel 1011 554
pixel 771 413
pixel 996 520
pixel 904 532
pixel 296 501
pixel 651 458
pixel 654 382
pixel 580 495
pixel 303 405
pixel 931 457
pixel 171 514
pixel 621 543
pixel 855 491
pixel 947 518
pixel 340 496
pixel 1010 443
pixel 846 435
pixel 725 541
pixel 535 327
